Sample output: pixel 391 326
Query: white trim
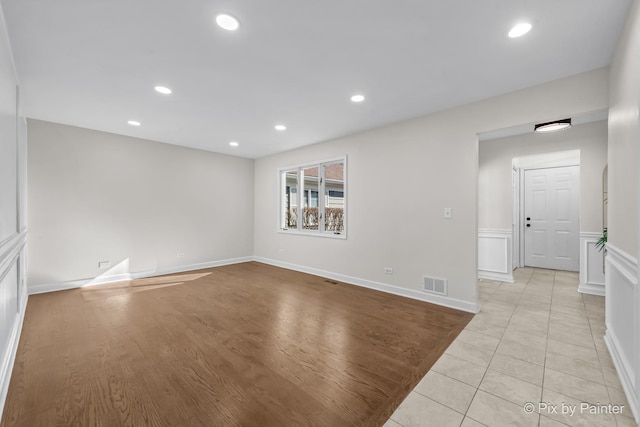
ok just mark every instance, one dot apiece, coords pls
pixel 495 254
pixel 6 365
pixel 515 220
pixel 281 187
pixel 100 280
pixel 551 159
pixel 18 161
pixel 625 263
pixel 409 293
pixel 548 160
pixel 314 233
pixel 11 249
pixel 383 287
pixel 591 258
pixel 500 277
pixel 336 159
pixel 587 288
pixel 621 278
pixel 8 240
pixel 622 368
pixel 10 48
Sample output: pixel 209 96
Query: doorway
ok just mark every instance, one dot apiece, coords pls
pixel 551 218
pixel 546 210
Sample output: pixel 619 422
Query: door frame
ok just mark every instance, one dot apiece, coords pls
pixel 515 220
pixel 539 161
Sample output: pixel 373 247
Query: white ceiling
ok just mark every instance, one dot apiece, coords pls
pixel 94 63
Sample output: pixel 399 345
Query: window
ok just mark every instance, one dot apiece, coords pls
pixel 322 198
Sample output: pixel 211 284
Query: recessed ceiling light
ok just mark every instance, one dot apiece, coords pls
pixel 357 98
pixel 163 90
pixel 520 29
pixel 228 22
pixel 233 144
pixel 552 126
pixel 280 127
pixel 134 123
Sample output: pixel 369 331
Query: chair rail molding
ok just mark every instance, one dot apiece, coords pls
pixel 495 254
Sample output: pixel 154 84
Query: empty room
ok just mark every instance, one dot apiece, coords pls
pixel 364 213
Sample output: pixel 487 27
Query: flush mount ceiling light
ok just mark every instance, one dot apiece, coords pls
pixel 552 126
pixel 227 22
pixel 163 90
pixel 280 127
pixel 233 144
pixel 520 29
pixel 357 98
pixel 134 123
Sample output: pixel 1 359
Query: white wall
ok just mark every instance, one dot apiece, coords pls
pixel 13 227
pixel 420 167
pixel 494 175
pixel 623 291
pixel 95 196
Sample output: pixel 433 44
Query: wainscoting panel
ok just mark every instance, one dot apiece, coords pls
pixel 623 321
pixel 13 301
pixel 495 255
pixel 591 265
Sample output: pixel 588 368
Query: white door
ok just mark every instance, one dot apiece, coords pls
pixel 551 211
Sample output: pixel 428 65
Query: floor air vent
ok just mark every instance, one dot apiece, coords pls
pixel 434 285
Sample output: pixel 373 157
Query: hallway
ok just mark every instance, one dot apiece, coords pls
pixel 535 340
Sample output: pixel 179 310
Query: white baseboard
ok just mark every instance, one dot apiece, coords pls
pixel 409 293
pixel 500 277
pixel 100 280
pixel 622 315
pixel 495 255
pixel 586 288
pixel 6 368
pixel 623 373
pixel 383 287
pixel 591 265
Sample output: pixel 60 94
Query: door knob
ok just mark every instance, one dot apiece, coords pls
pixel 528 218
pixel 528 225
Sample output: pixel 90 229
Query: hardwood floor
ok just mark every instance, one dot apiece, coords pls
pixel 241 345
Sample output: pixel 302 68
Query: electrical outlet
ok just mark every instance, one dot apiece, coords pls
pixel 180 255
pixel 281 251
pixel 448 213
pixel 104 264
pixel 388 270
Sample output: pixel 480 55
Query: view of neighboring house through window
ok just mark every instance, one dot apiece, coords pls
pixel 320 190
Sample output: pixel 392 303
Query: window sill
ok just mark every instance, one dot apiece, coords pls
pixel 342 236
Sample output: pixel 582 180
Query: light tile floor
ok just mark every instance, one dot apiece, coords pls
pixel 534 341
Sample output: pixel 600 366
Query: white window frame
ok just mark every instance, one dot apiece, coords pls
pixel 321 199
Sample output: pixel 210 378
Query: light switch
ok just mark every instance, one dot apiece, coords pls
pixel 448 213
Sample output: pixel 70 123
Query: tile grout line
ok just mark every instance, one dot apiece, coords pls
pixel 555 290
pixel 494 353
pixel 546 346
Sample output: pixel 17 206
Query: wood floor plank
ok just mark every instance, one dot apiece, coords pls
pixel 241 345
